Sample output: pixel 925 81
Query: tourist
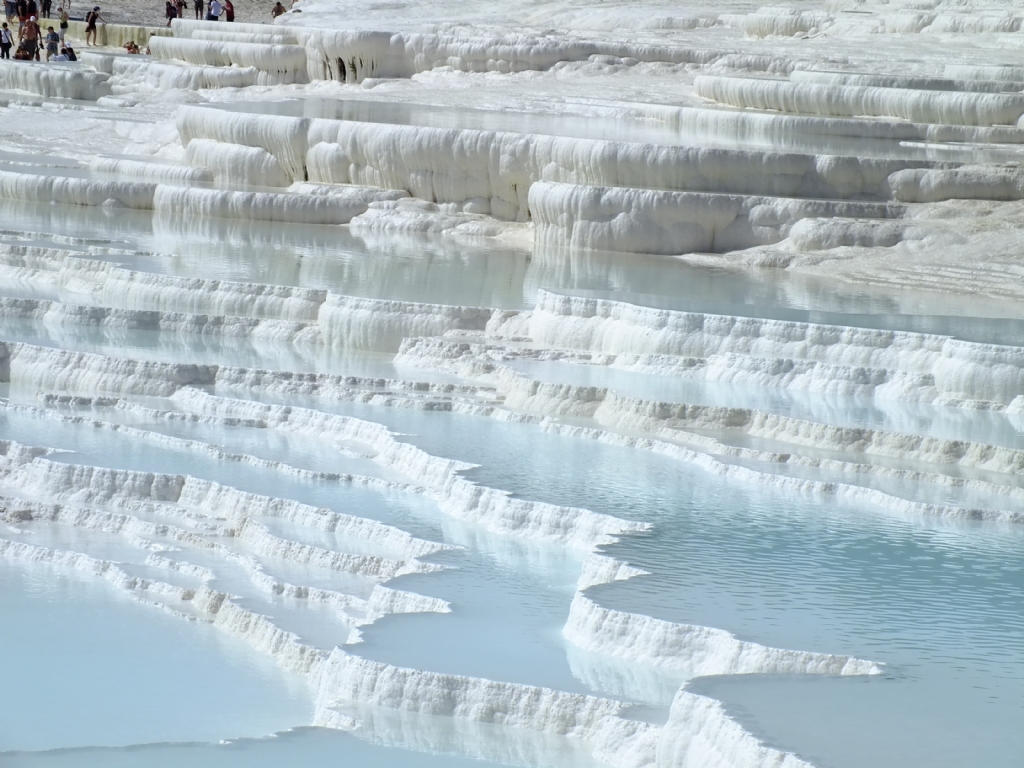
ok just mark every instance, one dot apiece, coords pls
pixel 198 5
pixel 6 41
pixel 214 10
pixel 229 11
pixel 180 6
pixel 46 5
pixel 62 22
pixel 171 12
pixel 30 38
pixel 91 19
pixel 52 41
pixel 10 9
pixel 69 52
pixel 278 10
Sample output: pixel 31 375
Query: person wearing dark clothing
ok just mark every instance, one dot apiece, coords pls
pixel 6 41
pixel 22 6
pixel 92 18
pixel 229 11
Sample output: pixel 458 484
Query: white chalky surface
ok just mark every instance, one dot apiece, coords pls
pixel 556 384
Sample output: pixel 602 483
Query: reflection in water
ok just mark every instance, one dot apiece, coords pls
pixel 939 603
pixel 435 269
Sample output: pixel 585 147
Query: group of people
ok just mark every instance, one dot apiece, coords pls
pixel 31 39
pixel 31 42
pixel 176 10
pixel 23 9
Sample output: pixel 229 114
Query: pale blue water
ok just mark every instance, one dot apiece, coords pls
pixel 989 427
pixel 940 603
pixel 86 666
pixel 313 747
pixel 505 595
pixel 432 269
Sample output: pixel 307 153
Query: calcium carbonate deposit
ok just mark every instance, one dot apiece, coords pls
pixel 551 385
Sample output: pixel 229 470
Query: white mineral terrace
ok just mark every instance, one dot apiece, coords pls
pixel 554 385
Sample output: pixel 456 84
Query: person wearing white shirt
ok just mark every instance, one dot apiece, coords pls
pixel 6 41
pixel 215 10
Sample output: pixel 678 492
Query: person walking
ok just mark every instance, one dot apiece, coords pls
pixel 30 38
pixel 91 19
pixel 52 41
pixel 198 5
pixel 45 6
pixel 229 11
pixel 171 12
pixel 6 41
pixel 62 22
